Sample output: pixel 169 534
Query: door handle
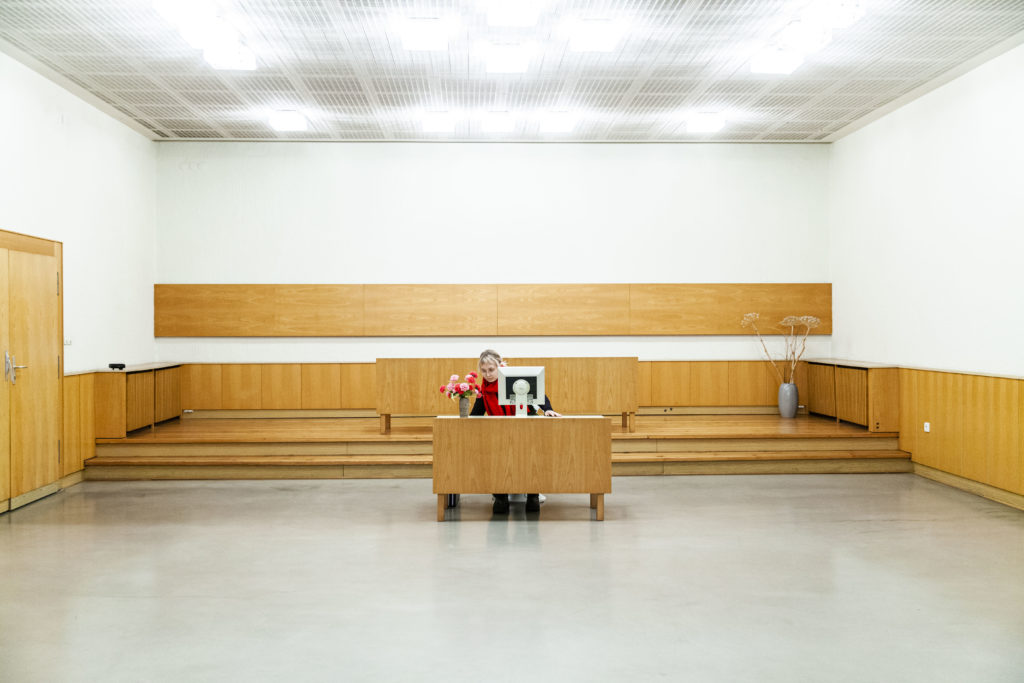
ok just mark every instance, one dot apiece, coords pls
pixel 14 370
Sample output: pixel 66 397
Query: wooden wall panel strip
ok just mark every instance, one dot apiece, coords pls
pixel 140 392
pixel 321 386
pixel 909 424
pixel 643 391
pixel 852 395
pixel 430 310
pixel 87 401
pixel 563 310
pixel 281 386
pixel 111 405
pixel 241 386
pixel 71 449
pixel 358 386
pixel 991 431
pixel 884 399
pixel 657 309
pixel 480 310
pixel 202 387
pixel 939 396
pixel 709 383
pixel 747 383
pixel 167 393
pixel 258 310
pixel 670 383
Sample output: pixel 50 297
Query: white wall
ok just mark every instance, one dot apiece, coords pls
pixel 927 229
pixel 439 213
pixel 70 173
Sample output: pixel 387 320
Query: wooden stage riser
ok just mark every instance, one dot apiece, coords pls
pixel 662 446
pixel 143 473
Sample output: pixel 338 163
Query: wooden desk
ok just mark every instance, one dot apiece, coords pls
pixel 523 455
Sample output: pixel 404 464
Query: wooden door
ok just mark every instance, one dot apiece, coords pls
pixel 5 388
pixel 35 396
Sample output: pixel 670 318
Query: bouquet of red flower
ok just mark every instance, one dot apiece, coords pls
pixel 461 388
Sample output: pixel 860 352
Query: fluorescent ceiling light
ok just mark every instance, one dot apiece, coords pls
pixel 424 33
pixel 559 122
pixel 512 58
pixel 774 60
pixel 438 122
pixel 595 35
pixel 513 13
pixel 230 57
pixel 705 122
pixel 498 122
pixel 288 120
pixel 804 35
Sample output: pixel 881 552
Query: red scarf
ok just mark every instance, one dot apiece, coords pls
pixel 490 397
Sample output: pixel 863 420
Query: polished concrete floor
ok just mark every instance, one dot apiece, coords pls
pixel 721 578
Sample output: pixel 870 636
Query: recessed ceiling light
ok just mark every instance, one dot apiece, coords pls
pixel 288 120
pixel 498 122
pixel 704 122
pixel 230 57
pixel 774 60
pixel 595 35
pixel 513 14
pixel 559 122
pixel 438 122
pixel 424 33
pixel 510 58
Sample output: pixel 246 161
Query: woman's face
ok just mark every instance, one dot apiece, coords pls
pixel 489 370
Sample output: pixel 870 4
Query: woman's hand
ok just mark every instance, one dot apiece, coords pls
pixel 551 413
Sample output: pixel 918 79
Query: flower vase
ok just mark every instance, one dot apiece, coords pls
pixel 464 407
pixel 787 399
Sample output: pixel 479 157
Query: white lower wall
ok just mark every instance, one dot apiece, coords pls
pixel 927 229
pixel 70 173
pixel 472 213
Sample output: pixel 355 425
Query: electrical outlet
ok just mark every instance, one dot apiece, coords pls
pixel 67 341
pixel 928 426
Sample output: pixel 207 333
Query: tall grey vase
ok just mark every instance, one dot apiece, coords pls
pixel 787 400
pixel 464 406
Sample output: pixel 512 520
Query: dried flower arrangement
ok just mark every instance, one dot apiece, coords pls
pixel 795 329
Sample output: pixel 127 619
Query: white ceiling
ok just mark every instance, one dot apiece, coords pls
pixel 342 65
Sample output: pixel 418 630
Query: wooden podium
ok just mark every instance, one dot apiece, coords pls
pixel 523 455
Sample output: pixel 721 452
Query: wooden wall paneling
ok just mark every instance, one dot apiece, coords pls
pixel 852 395
pixel 202 386
pixel 939 402
pixel 587 386
pixel 140 391
pixel 110 401
pixel 670 383
pixel 563 309
pixel 71 444
pixel 258 310
pixel 321 386
pixel 643 387
pixel 241 386
pixel 709 383
pixel 430 310
pixel 87 401
pixel 167 393
pixel 411 385
pixel 884 399
pixel 991 431
pixel 281 386
pixel 5 395
pixel 821 387
pixel 358 382
pixel 719 308
pixel 747 383
pixel 1020 442
pixel 909 424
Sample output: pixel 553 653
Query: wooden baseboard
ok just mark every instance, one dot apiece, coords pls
pixel 1009 498
pixel 263 414
pixel 148 472
pixel 42 492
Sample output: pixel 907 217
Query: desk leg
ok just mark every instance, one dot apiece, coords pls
pixel 600 507
pixel 625 420
pixel 385 423
pixel 593 501
pixel 632 422
pixel 442 503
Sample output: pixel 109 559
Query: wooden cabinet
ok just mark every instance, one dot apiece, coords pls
pixel 136 397
pixel 861 393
